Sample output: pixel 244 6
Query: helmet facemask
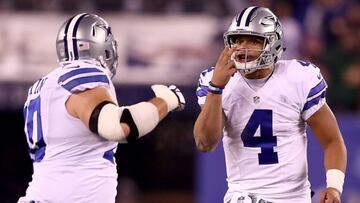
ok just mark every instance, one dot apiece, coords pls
pixel 110 59
pixel 248 60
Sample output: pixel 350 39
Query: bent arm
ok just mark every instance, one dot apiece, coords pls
pixel 325 128
pixel 210 122
pixel 82 105
pixel 208 125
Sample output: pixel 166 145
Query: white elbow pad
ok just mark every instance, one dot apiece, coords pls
pixel 142 118
pixel 106 118
pixel 105 121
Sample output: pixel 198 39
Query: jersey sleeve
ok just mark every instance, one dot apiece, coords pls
pixel 203 84
pixel 78 79
pixel 313 90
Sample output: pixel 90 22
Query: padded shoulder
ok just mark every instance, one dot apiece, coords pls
pixel 308 84
pixel 83 76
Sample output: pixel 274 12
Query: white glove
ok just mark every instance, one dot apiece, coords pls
pixel 171 95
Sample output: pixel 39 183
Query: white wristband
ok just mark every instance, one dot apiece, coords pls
pixel 335 179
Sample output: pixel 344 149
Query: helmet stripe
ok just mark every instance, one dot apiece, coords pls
pixel 249 16
pixel 65 41
pixel 76 54
pixel 246 16
pixel 71 45
pixel 239 17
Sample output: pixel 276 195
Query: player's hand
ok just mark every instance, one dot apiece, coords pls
pixel 171 95
pixel 330 195
pixel 224 68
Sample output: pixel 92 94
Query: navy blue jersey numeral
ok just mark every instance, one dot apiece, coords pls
pixel 34 132
pixel 266 141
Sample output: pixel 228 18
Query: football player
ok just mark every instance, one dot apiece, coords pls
pixel 73 121
pixel 262 105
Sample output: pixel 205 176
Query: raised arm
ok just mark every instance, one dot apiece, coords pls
pixel 208 125
pixel 325 128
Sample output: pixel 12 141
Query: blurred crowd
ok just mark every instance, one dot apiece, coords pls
pixel 332 43
pixel 324 32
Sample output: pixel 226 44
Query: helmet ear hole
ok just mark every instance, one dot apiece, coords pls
pixel 107 54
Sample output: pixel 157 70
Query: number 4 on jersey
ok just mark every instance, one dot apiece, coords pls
pixel 266 141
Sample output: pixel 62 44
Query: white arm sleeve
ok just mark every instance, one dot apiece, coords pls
pixel 141 118
pixel 109 123
pixel 145 116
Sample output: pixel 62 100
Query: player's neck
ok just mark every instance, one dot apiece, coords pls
pixel 259 74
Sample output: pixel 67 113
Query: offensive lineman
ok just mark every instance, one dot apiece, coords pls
pixel 262 105
pixel 73 122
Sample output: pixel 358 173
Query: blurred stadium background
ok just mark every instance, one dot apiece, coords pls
pixel 171 41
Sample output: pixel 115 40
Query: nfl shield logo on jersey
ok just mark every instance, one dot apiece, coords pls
pixel 256 99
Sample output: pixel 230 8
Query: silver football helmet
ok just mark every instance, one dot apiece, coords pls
pixel 261 22
pixel 87 36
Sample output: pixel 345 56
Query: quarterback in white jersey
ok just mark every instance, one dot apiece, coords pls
pixel 262 106
pixel 73 122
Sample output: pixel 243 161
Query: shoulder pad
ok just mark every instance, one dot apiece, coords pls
pixel 81 78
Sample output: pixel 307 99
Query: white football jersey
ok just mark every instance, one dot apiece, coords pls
pixel 264 136
pixel 71 164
